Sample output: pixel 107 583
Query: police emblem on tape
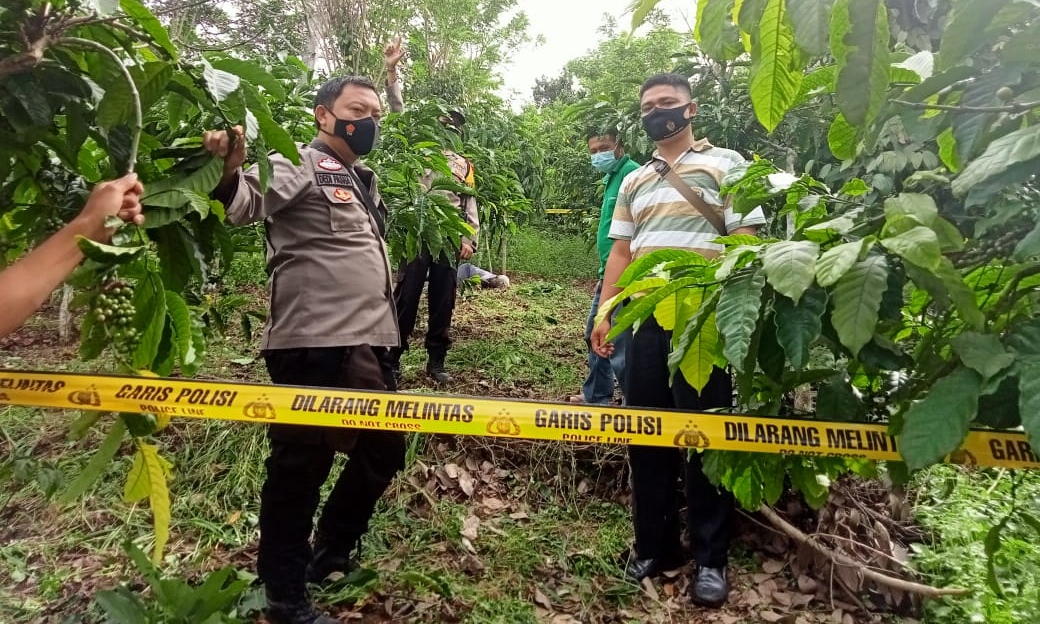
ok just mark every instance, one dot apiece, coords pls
pixel 85 397
pixel 691 437
pixel 503 424
pixel 260 409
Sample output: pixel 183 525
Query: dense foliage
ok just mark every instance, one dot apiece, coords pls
pixel 898 273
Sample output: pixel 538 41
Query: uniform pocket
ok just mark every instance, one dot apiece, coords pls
pixel 346 213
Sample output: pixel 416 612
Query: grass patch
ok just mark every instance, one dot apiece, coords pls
pixel 549 254
pixel 959 507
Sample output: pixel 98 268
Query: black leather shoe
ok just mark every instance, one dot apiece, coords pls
pixel 326 563
pixel 639 569
pixel 329 557
pixel 709 587
pixel 435 369
pixel 299 611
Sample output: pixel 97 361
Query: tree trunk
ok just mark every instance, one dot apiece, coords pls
pixel 64 316
pixel 503 253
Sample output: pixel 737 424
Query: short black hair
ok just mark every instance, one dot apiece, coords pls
pixel 328 92
pixel 594 133
pixel 668 79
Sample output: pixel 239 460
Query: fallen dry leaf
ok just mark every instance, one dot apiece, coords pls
pixel 494 504
pixel 234 517
pixel 452 470
pixel 519 515
pixel 470 526
pixel 542 600
pixel 807 584
pixel 583 486
pixel 648 587
pixel 472 465
pixel 783 598
pixel 770 616
pixel 761 577
pixel 767 588
pixel 466 482
pixel 847 619
pixel 773 566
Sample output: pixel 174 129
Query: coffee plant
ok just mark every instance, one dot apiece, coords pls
pixel 907 295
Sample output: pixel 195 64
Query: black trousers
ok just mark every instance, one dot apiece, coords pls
pixel 411 278
pixel 656 470
pixel 301 459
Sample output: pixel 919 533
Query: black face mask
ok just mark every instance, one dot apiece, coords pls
pixel 664 123
pixel 360 135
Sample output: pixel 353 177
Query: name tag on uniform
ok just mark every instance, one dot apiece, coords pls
pixel 333 179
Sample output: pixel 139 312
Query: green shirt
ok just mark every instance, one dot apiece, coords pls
pixel 612 182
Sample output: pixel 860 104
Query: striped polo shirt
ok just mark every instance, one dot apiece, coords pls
pixel 653 215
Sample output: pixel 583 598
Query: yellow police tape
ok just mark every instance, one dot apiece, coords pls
pixel 502 418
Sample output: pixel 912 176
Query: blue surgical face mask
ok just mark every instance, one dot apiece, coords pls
pixel 603 162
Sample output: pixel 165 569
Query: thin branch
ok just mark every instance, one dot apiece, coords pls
pixel 1018 107
pixel 797 535
pixel 135 97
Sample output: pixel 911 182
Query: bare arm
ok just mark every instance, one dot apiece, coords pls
pixel 239 190
pixel 392 55
pixel 26 284
pixel 618 260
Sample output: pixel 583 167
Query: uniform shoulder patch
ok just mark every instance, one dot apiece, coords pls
pixel 329 164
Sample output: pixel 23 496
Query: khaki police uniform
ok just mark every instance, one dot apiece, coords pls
pixel 331 321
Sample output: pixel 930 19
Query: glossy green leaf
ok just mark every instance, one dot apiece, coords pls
pixel 836 262
pixel 219 83
pixel 918 245
pixel 107 254
pixel 682 340
pixel 843 138
pixel 251 72
pixel 643 265
pixel 97 464
pixel 715 31
pixel 1021 146
pixel 1029 246
pixel 699 359
pixel 837 400
pixel 149 24
pixel 982 353
pixel 790 267
pixel 918 206
pixel 857 298
pixel 961 36
pixel 1029 398
pixel 798 326
pixel 936 425
pixel 811 21
pixel 642 307
pixel 737 314
pixel 115 107
pixel 776 66
pixel 180 320
pixel 150 319
pixel 859 41
pixel 640 9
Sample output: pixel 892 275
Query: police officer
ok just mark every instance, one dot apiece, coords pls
pixel 439 272
pixel 331 323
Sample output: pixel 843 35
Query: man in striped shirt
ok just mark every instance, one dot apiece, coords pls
pixel 651 214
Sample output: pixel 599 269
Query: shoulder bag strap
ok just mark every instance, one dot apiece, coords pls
pixel 665 170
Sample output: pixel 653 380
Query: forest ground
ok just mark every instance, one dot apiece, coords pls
pixel 474 530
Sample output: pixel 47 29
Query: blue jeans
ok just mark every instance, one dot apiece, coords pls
pixel 599 385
